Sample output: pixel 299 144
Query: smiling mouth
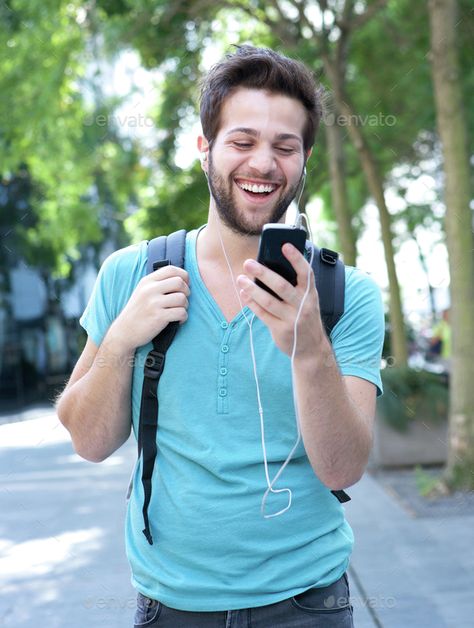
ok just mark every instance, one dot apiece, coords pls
pixel 257 190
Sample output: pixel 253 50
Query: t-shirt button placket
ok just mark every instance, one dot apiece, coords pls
pixel 222 400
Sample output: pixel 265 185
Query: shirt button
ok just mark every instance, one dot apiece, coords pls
pixel 222 392
pixel 224 349
pixel 224 325
pixel 223 370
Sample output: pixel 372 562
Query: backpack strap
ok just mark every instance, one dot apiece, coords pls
pixel 330 278
pixel 162 251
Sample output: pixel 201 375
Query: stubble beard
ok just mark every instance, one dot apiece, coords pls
pixel 222 193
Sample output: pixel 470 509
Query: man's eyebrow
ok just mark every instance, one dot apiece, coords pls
pixel 243 129
pixel 289 136
pixel 255 133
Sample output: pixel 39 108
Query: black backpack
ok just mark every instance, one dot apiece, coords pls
pixel 330 281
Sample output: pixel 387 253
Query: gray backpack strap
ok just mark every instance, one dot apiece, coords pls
pixel 162 251
pixel 166 250
pixel 330 276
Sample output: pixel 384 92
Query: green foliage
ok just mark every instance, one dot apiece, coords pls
pixel 460 476
pixel 39 78
pixel 180 202
pixel 83 173
pixel 391 81
pixel 412 395
pixel 425 482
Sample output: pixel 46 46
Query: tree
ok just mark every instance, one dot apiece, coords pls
pixel 452 127
pixel 83 173
pixel 342 25
pixel 339 193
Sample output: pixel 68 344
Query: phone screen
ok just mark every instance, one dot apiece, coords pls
pixel 273 237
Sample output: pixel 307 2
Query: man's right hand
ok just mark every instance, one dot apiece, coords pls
pixel 99 428
pixel 159 298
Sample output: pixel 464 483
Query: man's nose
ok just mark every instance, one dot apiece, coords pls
pixel 262 160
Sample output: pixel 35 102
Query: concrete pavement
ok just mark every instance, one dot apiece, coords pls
pixel 412 572
pixel 62 555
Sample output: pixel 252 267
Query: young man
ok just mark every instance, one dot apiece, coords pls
pixel 217 559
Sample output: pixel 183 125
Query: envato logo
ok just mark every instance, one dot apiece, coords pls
pixel 379 119
pixel 374 602
pixel 117 120
pixel 107 603
pixel 135 361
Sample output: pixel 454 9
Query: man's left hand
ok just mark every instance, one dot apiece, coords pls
pixel 280 316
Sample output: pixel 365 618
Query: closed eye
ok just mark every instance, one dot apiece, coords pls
pixel 242 144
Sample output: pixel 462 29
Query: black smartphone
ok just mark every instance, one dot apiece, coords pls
pixel 274 236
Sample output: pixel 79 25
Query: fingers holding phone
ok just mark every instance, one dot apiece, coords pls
pixel 274 236
pixel 273 287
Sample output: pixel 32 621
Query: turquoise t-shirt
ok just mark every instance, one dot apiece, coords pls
pixel 213 550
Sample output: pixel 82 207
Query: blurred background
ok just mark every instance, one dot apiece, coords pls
pixel 98 120
pixel 98 125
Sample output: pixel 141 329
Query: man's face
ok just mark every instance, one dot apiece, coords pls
pixel 257 159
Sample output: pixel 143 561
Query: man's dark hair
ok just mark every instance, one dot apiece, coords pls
pixel 260 68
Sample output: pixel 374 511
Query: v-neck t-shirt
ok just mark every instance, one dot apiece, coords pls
pixel 212 548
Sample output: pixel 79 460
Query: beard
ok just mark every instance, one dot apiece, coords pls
pixel 229 213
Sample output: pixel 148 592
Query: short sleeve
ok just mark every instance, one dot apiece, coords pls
pixel 117 278
pixel 357 338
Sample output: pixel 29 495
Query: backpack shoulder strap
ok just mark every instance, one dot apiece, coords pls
pixel 162 251
pixel 165 250
pixel 330 277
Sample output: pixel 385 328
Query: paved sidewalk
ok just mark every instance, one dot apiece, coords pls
pixel 412 572
pixel 62 555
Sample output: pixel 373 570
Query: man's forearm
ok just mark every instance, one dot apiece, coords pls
pixel 336 436
pixel 97 408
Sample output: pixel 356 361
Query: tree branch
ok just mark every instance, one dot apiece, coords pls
pixel 283 32
pixel 304 18
pixel 359 20
pixel 343 41
pixel 324 36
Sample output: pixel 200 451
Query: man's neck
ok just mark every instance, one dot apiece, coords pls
pixel 216 237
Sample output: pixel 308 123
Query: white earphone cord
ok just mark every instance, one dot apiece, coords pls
pixel 260 408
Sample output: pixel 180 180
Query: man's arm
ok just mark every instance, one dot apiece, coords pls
pixel 336 413
pixel 336 418
pixel 96 404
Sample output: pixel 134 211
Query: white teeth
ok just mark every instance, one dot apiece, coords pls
pixel 257 189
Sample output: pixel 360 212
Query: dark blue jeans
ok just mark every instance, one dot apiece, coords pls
pixel 326 607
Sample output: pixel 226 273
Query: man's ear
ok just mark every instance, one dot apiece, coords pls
pixel 203 148
pixel 308 154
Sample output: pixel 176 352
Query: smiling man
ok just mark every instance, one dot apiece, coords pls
pixel 254 171
pixel 220 556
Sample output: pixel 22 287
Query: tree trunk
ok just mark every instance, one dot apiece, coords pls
pixel 424 265
pixel 458 224
pixel 375 185
pixel 339 190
